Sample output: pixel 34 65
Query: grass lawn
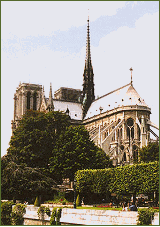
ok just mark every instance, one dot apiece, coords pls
pixel 101 208
pixel 109 208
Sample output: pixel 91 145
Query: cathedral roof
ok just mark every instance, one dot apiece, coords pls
pixel 123 96
pixel 75 109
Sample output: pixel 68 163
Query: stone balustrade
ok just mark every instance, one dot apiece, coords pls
pixel 86 217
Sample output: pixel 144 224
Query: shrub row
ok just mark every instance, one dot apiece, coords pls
pixel 11 216
pixel 145 216
pixel 55 216
pixel 137 178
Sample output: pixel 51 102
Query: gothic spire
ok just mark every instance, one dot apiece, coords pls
pixel 88 77
pixel 50 106
pixel 88 52
pixel 50 92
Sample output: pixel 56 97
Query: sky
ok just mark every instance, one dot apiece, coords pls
pixel 45 41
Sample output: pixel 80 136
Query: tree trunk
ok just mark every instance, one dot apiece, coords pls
pixel 134 198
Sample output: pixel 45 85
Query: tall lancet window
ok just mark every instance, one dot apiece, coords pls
pixel 35 101
pixel 28 100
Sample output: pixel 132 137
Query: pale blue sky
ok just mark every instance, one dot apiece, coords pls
pixel 44 42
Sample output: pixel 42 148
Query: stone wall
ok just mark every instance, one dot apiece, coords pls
pixel 87 217
pixel 101 217
pixel 31 217
pixel 98 217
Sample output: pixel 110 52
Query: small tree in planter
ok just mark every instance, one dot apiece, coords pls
pixel 6 209
pixel 42 210
pixel 17 214
pixel 58 216
pixel 145 216
pixel 78 202
pixel 53 217
pixel 37 203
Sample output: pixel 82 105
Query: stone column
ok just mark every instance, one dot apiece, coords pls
pixel 15 107
pixel 124 132
pixel 124 128
pixel 31 101
pixel 20 104
pixel 135 131
pixel 24 100
pixel 100 143
pixel 38 101
pixel 115 135
pixel 143 132
pixel 148 137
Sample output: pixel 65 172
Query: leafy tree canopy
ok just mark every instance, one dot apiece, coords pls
pixel 74 151
pixel 45 147
pixel 149 153
pixel 33 141
pixel 22 182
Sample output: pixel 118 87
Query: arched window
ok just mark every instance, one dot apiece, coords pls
pixel 121 132
pixel 35 101
pixel 132 132
pixel 138 132
pixel 28 100
pixel 130 122
pixel 128 133
pixel 130 128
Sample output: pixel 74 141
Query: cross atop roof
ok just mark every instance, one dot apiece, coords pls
pixel 131 75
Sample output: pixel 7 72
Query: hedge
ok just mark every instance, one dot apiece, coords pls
pixel 137 178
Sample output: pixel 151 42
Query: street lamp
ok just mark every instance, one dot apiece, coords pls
pixel 74 187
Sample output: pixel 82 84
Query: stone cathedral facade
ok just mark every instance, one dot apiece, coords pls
pixel 118 122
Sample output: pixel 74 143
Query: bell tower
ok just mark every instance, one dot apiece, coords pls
pixel 88 77
pixel 27 96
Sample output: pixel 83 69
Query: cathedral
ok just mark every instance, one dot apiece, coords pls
pixel 118 122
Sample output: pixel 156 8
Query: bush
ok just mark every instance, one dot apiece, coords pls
pixel 37 203
pixel 17 218
pixel 145 216
pixel 78 202
pixel 6 210
pixel 17 214
pixel 40 212
pixel 53 217
pixel 58 216
pixel 129 179
pixel 47 211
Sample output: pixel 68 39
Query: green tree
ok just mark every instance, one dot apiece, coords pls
pixel 22 182
pixel 78 201
pixel 74 151
pixel 17 214
pixel 45 147
pixel 6 210
pixel 129 179
pixel 145 216
pixel 35 138
pixel 149 153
